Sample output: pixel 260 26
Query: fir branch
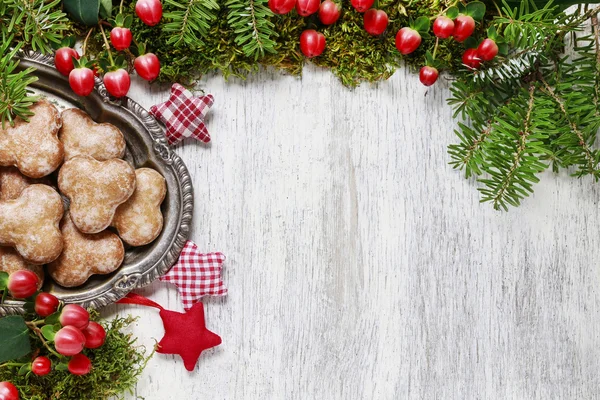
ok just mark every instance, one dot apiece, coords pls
pixel 189 22
pixel 250 20
pixel 15 97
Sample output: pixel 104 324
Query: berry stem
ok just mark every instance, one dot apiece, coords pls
pixel 38 332
pixel 112 62
pixel 121 7
pixel 9 364
pixel 437 42
pixel 85 41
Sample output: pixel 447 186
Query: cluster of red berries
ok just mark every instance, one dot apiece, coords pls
pixel 116 79
pixel 312 43
pixel 69 335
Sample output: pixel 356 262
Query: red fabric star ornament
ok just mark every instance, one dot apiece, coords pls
pixel 183 115
pixel 197 275
pixel 185 333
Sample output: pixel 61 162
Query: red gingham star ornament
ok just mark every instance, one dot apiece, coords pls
pixel 183 115
pixel 196 275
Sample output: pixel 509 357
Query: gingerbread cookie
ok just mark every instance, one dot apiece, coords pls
pixel 33 147
pixel 12 183
pixel 95 189
pixel 139 220
pixel 85 255
pixel 81 136
pixel 11 261
pixel 29 223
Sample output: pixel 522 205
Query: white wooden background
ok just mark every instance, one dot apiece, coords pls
pixel 361 266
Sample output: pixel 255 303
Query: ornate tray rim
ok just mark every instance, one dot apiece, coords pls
pixel 123 283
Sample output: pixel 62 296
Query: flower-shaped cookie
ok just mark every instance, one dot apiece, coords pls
pixel 95 189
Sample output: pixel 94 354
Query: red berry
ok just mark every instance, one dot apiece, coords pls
pixel 117 82
pixel 149 11
pixel 23 284
pixel 82 81
pixel 95 335
pixel 282 6
pixel 312 43
pixel 80 365
pixel 45 303
pixel 464 26
pixel 428 75
pixel 147 66
pixel 376 21
pixel 443 27
pixel 307 7
pixel 63 60
pixel 362 5
pixel 8 391
pixel 329 12
pixel 120 38
pixel 41 366
pixel 487 50
pixel 407 40
pixel 69 341
pixel 74 315
pixel 471 59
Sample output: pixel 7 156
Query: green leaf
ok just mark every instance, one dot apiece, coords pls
pixel 421 25
pixel 14 338
pixel 105 8
pixel 83 11
pixel 53 319
pixel 48 332
pixel 25 368
pixel 62 367
pixel 3 280
pixel 452 12
pixel 503 48
pixel 476 10
pixel 491 32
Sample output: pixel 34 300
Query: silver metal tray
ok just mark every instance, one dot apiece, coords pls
pixel 146 147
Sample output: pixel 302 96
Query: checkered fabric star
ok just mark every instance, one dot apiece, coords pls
pixel 183 115
pixel 196 275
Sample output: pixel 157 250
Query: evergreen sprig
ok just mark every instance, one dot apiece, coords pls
pixel 189 22
pixel 15 97
pixel 251 24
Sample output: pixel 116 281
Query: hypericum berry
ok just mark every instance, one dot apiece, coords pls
pixel 95 335
pixel 41 366
pixel 74 315
pixel 312 43
pixel 487 50
pixel 80 365
pixel 8 391
pixel 407 40
pixel 282 6
pixel 46 304
pixel 69 341
pixel 428 75
pixel 149 11
pixel 471 59
pixel 307 7
pixel 147 66
pixel 82 81
pixel 329 12
pixel 23 284
pixel 117 82
pixel 443 27
pixel 464 26
pixel 376 21
pixel 120 38
pixel 63 60
pixel 362 5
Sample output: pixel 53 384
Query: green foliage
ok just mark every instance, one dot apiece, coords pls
pixel 250 20
pixel 83 11
pixel 14 337
pixel 117 366
pixel 190 21
pixel 15 98
pixel 531 109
